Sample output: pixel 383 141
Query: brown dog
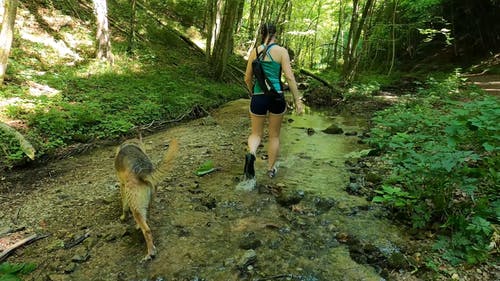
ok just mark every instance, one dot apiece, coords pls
pixel 138 179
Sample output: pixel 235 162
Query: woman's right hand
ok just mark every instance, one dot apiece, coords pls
pixel 299 106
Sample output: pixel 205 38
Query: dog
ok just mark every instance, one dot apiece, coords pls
pixel 138 179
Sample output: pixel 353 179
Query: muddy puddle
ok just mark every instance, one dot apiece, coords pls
pixel 302 225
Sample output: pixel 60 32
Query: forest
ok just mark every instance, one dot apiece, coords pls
pixel 410 87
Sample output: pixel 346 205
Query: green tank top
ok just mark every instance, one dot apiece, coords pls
pixel 272 70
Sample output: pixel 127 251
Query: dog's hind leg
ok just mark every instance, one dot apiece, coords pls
pixel 140 219
pixel 125 200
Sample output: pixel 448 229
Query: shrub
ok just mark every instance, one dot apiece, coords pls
pixel 443 154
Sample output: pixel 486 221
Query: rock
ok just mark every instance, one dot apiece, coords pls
pixel 248 258
pixel 396 260
pixel 82 255
pixel 373 177
pixel 249 241
pixel 333 130
pixel 353 188
pixel 324 204
pixel 290 197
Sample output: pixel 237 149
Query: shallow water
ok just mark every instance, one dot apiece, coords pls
pixel 205 228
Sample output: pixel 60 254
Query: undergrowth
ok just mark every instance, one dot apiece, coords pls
pixel 57 102
pixel 443 152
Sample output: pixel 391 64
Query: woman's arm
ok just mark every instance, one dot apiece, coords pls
pixel 249 71
pixel 290 78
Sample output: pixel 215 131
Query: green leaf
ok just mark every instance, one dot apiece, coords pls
pixel 205 168
pixel 488 147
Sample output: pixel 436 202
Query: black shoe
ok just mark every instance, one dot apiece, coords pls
pixel 249 169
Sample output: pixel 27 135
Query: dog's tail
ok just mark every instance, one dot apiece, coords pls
pixel 165 164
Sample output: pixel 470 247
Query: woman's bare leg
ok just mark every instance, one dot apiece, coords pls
pixel 257 130
pixel 274 139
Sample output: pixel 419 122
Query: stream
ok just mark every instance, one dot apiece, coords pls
pixel 301 225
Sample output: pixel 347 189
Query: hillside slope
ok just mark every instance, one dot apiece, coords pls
pixel 63 100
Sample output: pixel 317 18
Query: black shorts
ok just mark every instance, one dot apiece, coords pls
pixel 261 104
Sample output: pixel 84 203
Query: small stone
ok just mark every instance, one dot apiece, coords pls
pixel 333 130
pixel 248 258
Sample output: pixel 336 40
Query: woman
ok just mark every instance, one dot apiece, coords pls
pixel 276 59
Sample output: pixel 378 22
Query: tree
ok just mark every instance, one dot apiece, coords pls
pixel 223 39
pixel 6 34
pixel 131 36
pixel 102 33
pixel 351 55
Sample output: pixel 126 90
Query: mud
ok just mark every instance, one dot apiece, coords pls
pixel 302 225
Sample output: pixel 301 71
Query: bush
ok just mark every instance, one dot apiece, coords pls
pixel 443 153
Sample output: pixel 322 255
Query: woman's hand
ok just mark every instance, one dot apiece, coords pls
pixel 299 106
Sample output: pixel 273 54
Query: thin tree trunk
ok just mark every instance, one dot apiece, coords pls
pixel 315 38
pixel 131 37
pixel 103 34
pixel 337 35
pixel 211 10
pixel 393 36
pixel 6 34
pixel 348 46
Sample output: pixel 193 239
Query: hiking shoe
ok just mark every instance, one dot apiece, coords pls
pixel 272 173
pixel 249 169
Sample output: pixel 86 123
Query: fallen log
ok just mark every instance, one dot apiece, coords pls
pixel 312 75
pixel 20 243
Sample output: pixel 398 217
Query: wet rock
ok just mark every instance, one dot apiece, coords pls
pixel 82 255
pixel 247 259
pixel 333 130
pixel 324 204
pixel 353 188
pixel 249 241
pixel 373 177
pixel 290 197
pixel 350 134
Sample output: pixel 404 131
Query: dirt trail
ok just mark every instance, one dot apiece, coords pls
pixel 203 228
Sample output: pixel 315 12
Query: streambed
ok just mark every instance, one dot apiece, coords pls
pixel 302 225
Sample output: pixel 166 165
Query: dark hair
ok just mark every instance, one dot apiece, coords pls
pixel 267 29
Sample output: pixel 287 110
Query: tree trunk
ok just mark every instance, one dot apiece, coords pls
pixel 350 55
pixel 393 36
pixel 337 35
pixel 131 36
pixel 222 47
pixel 102 33
pixel 6 34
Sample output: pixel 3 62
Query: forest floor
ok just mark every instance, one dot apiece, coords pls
pixel 302 225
